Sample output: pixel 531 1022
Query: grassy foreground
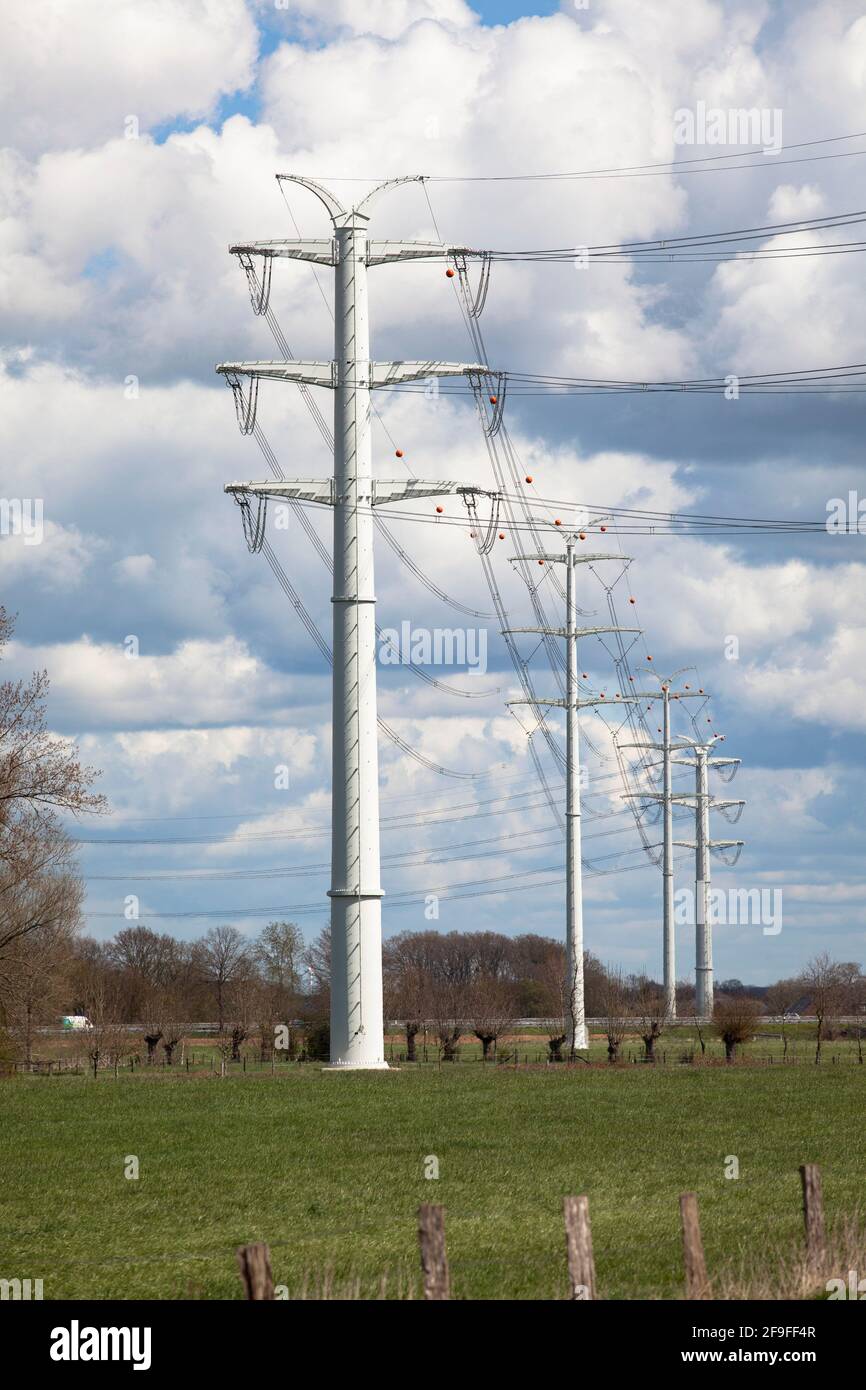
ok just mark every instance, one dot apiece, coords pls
pixel 329 1169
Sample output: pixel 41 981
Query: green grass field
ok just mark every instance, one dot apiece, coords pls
pixel 329 1169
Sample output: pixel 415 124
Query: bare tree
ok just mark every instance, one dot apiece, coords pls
pixel 106 1036
pixel 33 977
pixel 242 1005
pixel 174 1026
pixel 223 958
pixel 780 999
pixel 279 954
pixel 317 963
pixel 614 1009
pixel 409 961
pixel 39 776
pixel 734 1019
pixel 826 982
pixel 648 1002
pixel 491 1011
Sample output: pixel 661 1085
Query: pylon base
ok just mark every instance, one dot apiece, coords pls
pixel 359 1066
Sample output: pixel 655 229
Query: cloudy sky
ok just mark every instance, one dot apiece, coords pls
pixel 140 141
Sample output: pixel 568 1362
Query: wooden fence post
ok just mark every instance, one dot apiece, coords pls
pixel 813 1212
pixel 254 1262
pixel 693 1248
pixel 434 1256
pixel 578 1241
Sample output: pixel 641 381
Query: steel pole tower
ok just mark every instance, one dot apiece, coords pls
pixel 669 964
pixel 703 933
pixel 702 845
pixel 574 985
pixel 357 1039
pixel 573 870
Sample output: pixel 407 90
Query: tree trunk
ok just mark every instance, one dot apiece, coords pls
pixel 486 1043
pixel 237 1039
pixel 649 1043
pixel 412 1030
pixel 168 1049
pixel 729 1049
pixel 151 1039
pixel 612 1051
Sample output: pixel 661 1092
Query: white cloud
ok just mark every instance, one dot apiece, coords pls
pixel 200 682
pixel 74 73
pixel 789 203
pixel 59 561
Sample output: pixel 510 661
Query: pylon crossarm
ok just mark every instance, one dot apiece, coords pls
pixel 658 747
pixel 293 489
pixel 385 186
pixel 577 560
pixel 401 490
pixel 392 373
pixel 317 249
pixel 383 252
pixel 578 704
pixel 310 373
pixel 323 251
pixel 607 700
pixel 578 632
pixel 468 490
pixel 324 195
pixel 560 704
pixel 712 844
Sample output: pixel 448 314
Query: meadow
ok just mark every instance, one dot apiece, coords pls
pixel 330 1170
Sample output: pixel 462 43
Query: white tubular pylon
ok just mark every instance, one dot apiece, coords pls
pixel 357 1040
pixel 666 798
pixel 575 1008
pixel 702 844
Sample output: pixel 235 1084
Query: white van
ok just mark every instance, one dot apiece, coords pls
pixel 75 1021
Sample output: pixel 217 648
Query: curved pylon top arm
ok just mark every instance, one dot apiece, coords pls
pixel 383 187
pixel 324 195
